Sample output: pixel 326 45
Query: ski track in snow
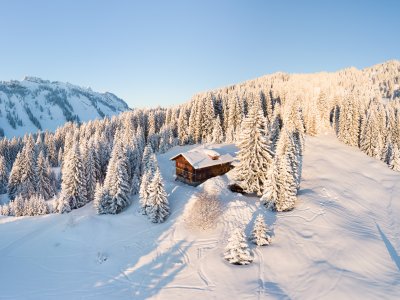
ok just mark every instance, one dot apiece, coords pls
pixel 341 241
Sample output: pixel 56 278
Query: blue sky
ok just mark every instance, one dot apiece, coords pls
pixel 162 52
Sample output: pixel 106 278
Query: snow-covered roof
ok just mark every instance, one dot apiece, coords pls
pixel 204 157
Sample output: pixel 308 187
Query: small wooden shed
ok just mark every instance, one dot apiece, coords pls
pixel 196 166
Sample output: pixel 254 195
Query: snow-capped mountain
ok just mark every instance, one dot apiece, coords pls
pixel 33 103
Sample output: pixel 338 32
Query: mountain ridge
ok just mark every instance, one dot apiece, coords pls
pixel 37 104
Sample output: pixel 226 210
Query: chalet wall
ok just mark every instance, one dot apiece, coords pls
pixel 186 173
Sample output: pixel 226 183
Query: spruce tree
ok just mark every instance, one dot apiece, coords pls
pixel 3 175
pixel 272 187
pixel 62 204
pixel 395 159
pixel 148 151
pixel 254 154
pixel 288 190
pixel 217 133
pixel 135 185
pixel 14 181
pixel 183 126
pixel 73 184
pixel 237 251
pixel 101 199
pixel 117 181
pixel 158 208
pixel 259 235
pixel 144 192
pixel 28 170
pixel 369 143
pixel 45 188
pixel 90 172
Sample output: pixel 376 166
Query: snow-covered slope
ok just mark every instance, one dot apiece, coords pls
pixel 340 242
pixel 32 104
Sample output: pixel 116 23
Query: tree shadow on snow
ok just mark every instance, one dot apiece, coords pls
pixel 150 278
pixel 392 251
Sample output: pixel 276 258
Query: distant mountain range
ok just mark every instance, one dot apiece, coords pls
pixel 33 103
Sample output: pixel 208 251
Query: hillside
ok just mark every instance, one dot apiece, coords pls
pixel 33 103
pixel 341 241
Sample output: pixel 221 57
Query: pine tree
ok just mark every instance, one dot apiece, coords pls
pixel 395 159
pixel 17 206
pixel 14 181
pixel 217 134
pixel 73 184
pixel 369 143
pixel 158 209
pixel 62 204
pixel 60 157
pixel 28 170
pixel 36 206
pixel 44 188
pixel 117 181
pixel 288 190
pixel 90 172
pixel 254 154
pixel 23 176
pixel 3 175
pixel 237 251
pixel 148 151
pixel 260 235
pixel 144 192
pixel 349 120
pixel 135 185
pixel 275 130
pixel 283 177
pixel 183 127
pixel 101 199
pixel 272 186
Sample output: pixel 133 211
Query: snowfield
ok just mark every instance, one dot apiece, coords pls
pixel 342 241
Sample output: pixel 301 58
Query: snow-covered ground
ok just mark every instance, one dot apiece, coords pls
pixel 341 242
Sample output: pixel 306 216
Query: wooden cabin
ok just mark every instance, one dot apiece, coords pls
pixel 196 166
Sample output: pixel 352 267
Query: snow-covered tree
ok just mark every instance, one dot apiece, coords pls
pixel 101 199
pixel 283 177
pixel 217 133
pixel 23 177
pixel 369 143
pixel 90 172
pixel 73 184
pixel 135 185
pixel 144 192
pixel 158 207
pixel 36 206
pixel 117 181
pixel 28 175
pixel 17 206
pixel 275 130
pixel 62 205
pixel 349 121
pixel 3 175
pixel 237 251
pixel 288 189
pixel 254 153
pixel 148 151
pixel 45 187
pixel 394 163
pixel 272 186
pixel 183 126
pixel 14 181
pixel 259 235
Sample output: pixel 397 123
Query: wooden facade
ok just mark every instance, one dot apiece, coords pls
pixel 185 172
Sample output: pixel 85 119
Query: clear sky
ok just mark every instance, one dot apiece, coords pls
pixel 153 53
